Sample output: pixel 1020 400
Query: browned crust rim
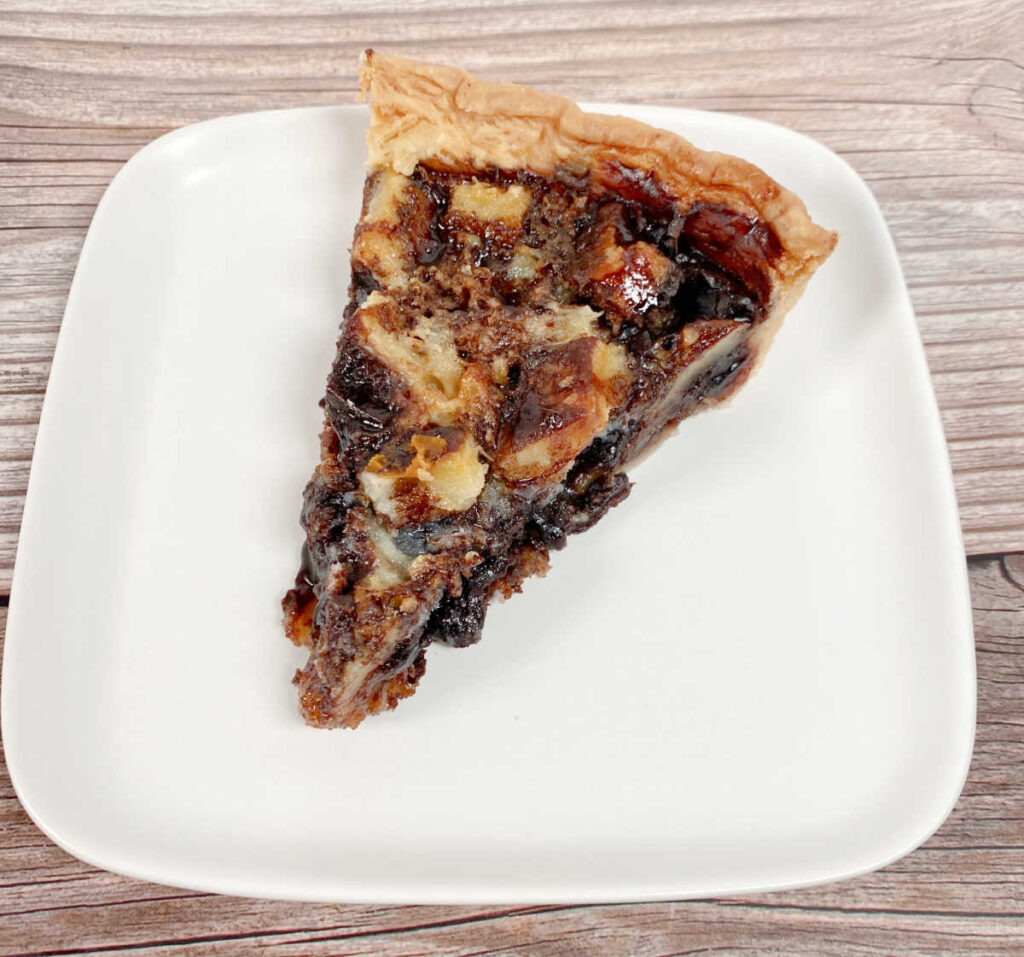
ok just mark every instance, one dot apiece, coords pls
pixel 431 112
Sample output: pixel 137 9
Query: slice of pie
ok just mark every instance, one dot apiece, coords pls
pixel 538 296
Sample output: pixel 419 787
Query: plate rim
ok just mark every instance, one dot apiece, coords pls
pixel 353 891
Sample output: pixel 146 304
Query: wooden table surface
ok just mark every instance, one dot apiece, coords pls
pixel 925 100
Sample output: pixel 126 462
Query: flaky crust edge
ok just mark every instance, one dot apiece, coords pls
pixel 431 112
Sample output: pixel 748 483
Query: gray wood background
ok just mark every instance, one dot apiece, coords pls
pixel 925 100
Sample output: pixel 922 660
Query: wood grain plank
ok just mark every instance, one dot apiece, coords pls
pixel 8 551
pixel 962 892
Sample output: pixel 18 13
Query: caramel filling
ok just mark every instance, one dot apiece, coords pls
pixel 512 343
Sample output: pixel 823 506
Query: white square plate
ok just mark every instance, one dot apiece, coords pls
pixel 757 672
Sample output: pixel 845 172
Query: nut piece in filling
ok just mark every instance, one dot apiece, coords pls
pixel 538 297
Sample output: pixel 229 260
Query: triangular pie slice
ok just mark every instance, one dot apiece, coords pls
pixel 538 296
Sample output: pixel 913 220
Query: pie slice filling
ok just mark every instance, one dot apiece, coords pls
pixel 538 297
